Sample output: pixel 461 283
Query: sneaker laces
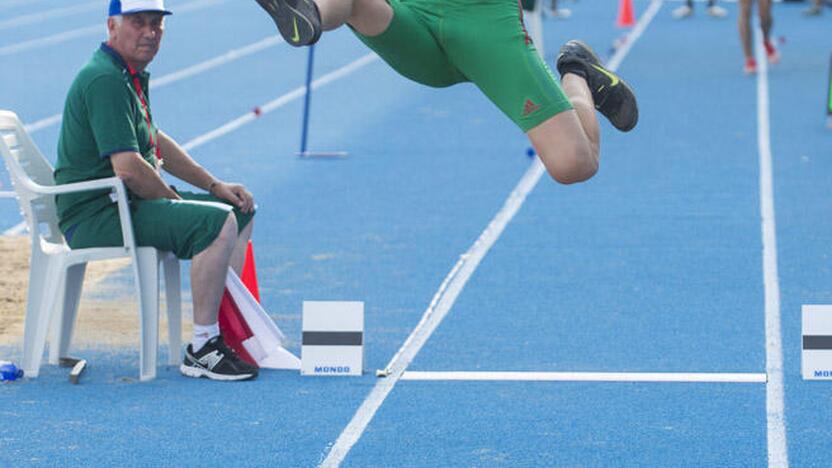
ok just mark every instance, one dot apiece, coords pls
pixel 230 354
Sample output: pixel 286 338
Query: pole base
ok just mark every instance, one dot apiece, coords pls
pixel 322 154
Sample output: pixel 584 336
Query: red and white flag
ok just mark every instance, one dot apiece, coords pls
pixel 246 327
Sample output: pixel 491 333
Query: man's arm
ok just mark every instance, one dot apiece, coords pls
pixel 178 163
pixel 139 176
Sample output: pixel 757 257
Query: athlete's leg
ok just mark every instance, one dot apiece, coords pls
pixel 369 17
pixel 575 151
pixel 301 22
pixel 744 23
pixel 766 21
pixel 568 144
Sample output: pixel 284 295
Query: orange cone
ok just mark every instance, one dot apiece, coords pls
pixel 626 18
pixel 249 276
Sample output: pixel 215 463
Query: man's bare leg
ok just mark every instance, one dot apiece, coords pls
pixel 369 17
pixel 744 24
pixel 208 271
pixel 568 144
pixel 301 22
pixel 766 20
pixel 207 355
pixel 238 257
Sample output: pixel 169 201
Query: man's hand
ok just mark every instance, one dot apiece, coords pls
pixel 235 194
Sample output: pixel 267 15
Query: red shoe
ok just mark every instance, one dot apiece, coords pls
pixel 771 53
pixel 750 67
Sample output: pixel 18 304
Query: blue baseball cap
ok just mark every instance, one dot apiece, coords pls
pixel 127 7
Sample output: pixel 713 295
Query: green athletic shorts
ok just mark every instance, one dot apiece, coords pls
pixel 443 42
pixel 185 227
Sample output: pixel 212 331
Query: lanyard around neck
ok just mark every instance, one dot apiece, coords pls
pixel 137 84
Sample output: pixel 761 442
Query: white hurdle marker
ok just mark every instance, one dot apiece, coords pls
pixel 333 338
pixel 816 358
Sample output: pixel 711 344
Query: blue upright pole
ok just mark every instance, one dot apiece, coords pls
pixel 306 100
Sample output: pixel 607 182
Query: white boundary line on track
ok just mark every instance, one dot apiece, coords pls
pixel 281 101
pixel 692 377
pixel 778 455
pixel 88 31
pixel 50 14
pixel 187 72
pixel 450 288
pixel 251 116
pixel 16 3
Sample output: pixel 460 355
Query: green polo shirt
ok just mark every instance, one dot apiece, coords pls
pixel 103 115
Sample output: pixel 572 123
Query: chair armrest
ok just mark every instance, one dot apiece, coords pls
pixel 112 183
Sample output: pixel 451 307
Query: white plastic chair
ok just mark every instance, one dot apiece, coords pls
pixel 57 272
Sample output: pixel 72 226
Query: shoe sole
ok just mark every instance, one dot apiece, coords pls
pixel 197 372
pixel 590 55
pixel 294 24
pixel 631 98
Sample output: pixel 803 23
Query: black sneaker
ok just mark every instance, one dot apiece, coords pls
pixel 613 97
pixel 298 21
pixel 216 361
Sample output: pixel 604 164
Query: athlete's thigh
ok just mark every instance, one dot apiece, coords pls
pixel 410 46
pixel 488 42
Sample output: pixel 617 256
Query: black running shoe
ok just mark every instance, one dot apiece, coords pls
pixel 216 361
pixel 613 97
pixel 298 21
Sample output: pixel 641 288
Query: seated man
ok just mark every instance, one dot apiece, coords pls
pixel 108 130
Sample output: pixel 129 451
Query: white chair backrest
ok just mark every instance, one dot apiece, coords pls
pixel 27 166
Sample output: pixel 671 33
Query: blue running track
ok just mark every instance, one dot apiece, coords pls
pixel 656 265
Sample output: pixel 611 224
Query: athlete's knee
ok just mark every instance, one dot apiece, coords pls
pixel 572 164
pixel 370 17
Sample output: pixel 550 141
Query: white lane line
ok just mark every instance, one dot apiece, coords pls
pixel 88 31
pixel 439 307
pixel 691 377
pixel 251 116
pixel 229 56
pixel 778 455
pixel 178 75
pixel 41 16
pixel 450 288
pixel 280 101
pixel 53 39
pixel 15 3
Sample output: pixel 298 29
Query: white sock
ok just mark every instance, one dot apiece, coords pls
pixel 203 333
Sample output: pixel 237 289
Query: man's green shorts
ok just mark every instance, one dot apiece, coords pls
pixel 184 227
pixel 442 42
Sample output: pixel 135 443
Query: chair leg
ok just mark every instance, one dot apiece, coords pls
pixel 69 295
pixel 41 300
pixel 56 321
pixel 147 280
pixel 173 295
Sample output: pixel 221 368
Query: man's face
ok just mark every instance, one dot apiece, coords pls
pixel 137 38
